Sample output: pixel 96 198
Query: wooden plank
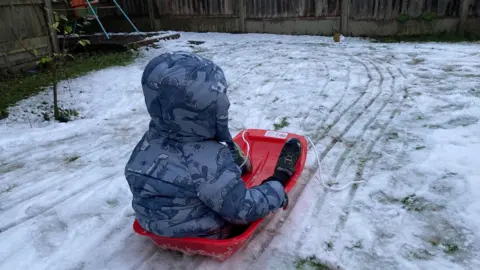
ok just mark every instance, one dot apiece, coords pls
pixel 241 13
pixel 18 22
pixel 21 2
pixel 151 15
pixel 344 17
pixel 52 32
pixel 389 10
pixel 463 16
pixel 29 44
pixel 319 4
pixel 19 58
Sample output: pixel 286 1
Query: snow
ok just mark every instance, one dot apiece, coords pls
pixel 401 117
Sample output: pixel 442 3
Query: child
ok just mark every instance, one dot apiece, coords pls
pixel 185 182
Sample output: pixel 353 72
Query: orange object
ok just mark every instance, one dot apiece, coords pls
pixel 81 3
pixel 265 147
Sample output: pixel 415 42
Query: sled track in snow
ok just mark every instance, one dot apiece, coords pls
pixel 280 218
pixel 366 156
pixel 322 91
pixel 319 203
pixel 92 187
pixel 369 148
pixel 360 166
pixel 406 95
pixel 320 136
pixel 359 137
pixel 51 186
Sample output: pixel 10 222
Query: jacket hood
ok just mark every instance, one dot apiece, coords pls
pixel 185 95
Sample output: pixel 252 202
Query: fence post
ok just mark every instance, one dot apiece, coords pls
pixel 344 17
pixel 52 33
pixel 463 16
pixel 151 15
pixel 241 15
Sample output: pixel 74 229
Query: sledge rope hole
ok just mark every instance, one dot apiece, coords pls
pixel 320 179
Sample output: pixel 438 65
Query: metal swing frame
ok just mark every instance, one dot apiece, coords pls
pixel 98 19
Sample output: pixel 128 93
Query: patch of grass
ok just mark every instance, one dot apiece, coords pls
pixel 416 61
pixel 112 202
pixel 329 245
pixel 403 17
pixel 420 254
pixel 6 168
pixel 3 114
pixel 71 159
pixel 408 200
pixel 439 37
pixel 21 86
pixel 392 136
pixel 432 126
pixel 46 116
pixel 312 262
pixel 413 203
pixel 8 188
pixel 450 248
pixel 282 124
pixel 196 42
pixel 65 115
pixel 358 244
pixel 429 16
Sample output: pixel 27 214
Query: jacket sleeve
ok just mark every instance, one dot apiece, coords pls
pixel 229 197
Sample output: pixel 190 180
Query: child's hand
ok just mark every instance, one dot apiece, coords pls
pixel 240 159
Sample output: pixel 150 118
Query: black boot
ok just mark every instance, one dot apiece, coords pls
pixel 287 161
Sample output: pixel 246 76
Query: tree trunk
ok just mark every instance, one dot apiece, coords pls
pixel 55 93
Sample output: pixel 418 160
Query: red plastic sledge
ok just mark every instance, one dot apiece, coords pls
pixel 265 147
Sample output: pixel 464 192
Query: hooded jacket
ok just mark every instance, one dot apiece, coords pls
pixel 184 180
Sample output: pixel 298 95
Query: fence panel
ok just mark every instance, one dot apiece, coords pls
pixel 23 33
pixel 392 9
pixel 197 7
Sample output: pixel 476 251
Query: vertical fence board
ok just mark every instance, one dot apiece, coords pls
pixel 23 31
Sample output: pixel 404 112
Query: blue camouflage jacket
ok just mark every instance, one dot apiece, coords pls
pixel 182 174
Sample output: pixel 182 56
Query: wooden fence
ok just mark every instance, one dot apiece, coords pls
pixel 351 17
pixel 358 9
pixel 24 33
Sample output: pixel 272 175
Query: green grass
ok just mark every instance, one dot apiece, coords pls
pixel 440 37
pixel 112 202
pixel 358 244
pixel 450 248
pixel 329 245
pixel 71 159
pixel 414 203
pixel 312 262
pixel 24 85
pixel 282 124
pixel 6 168
pixel 8 188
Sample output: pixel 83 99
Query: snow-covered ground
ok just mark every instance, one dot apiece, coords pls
pixel 401 117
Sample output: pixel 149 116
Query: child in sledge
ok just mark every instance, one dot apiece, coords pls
pixel 185 172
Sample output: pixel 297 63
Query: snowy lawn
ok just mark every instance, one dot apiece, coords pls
pixel 401 117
